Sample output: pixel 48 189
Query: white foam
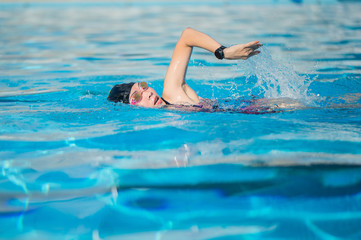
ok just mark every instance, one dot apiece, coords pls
pixel 275 80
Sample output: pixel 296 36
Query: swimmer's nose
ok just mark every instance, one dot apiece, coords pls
pixel 149 94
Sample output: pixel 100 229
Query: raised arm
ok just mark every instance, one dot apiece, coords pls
pixel 175 88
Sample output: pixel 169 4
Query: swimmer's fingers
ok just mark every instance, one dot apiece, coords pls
pixel 242 51
pixel 254 45
pixel 250 53
pixel 254 53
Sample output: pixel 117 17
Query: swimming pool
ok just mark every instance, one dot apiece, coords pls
pixel 74 166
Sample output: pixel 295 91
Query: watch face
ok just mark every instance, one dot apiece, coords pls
pixel 219 53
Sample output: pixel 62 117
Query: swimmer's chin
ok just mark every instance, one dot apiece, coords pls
pixel 159 104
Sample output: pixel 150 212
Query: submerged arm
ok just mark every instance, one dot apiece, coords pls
pixel 175 88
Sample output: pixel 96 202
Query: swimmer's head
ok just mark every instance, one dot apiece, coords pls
pixel 139 94
pixel 120 93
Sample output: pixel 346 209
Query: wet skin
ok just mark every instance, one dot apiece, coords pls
pixel 175 88
pixel 149 98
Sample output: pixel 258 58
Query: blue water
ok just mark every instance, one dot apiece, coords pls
pixel 75 166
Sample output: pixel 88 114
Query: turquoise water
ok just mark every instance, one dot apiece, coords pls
pixel 74 166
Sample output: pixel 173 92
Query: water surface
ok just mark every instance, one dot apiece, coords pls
pixel 75 166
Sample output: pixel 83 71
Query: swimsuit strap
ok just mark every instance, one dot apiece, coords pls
pixel 166 102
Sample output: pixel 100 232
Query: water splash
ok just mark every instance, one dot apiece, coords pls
pixel 274 80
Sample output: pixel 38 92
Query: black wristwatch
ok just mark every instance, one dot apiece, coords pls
pixel 219 52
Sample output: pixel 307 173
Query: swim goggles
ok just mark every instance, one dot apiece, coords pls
pixel 137 96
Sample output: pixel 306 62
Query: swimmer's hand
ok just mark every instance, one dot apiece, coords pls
pixel 242 51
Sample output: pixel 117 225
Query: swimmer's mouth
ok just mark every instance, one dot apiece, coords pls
pixel 156 100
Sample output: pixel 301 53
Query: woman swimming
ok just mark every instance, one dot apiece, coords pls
pixel 175 89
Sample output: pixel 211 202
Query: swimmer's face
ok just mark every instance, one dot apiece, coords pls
pixel 144 96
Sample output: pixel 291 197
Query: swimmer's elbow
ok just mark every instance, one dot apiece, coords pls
pixel 186 32
pixel 187 35
pixel 187 29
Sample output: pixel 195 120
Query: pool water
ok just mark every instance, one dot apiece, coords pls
pixel 75 166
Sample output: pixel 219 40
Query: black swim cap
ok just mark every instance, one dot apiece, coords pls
pixel 120 93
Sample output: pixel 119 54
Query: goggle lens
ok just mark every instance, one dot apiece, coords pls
pixel 143 86
pixel 136 98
